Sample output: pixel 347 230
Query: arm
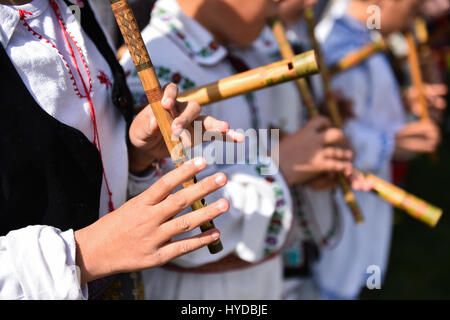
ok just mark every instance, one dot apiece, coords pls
pixel 41 262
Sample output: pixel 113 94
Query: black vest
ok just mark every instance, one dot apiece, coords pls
pixel 50 173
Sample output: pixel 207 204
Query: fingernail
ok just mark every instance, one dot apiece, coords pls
pixel 220 179
pixel 198 162
pixel 222 205
pixel 177 130
pixel 215 235
pixel 167 102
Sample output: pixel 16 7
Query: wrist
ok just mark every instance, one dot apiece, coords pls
pixel 138 165
pixel 89 257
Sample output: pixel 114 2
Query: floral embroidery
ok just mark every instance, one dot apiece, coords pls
pixel 165 75
pixel 176 33
pixel 104 79
pixel 306 224
pixel 276 223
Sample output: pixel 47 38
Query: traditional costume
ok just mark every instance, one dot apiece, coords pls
pixel 63 161
pixel 316 221
pixel 260 215
pixel 379 115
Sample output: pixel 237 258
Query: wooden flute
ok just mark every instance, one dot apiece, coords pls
pixel 287 52
pixel 417 208
pixel 416 74
pixel 333 109
pixel 301 65
pixel 356 57
pixel 414 206
pixel 141 59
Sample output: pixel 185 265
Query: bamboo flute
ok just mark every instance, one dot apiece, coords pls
pixel 336 119
pixel 270 75
pixel 416 74
pixel 356 57
pixel 429 67
pixel 141 59
pixel 301 65
pixel 287 52
pixel 415 207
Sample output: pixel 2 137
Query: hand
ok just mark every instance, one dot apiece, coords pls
pixel 360 182
pixel 344 105
pixel 435 8
pixel 435 94
pixel 147 143
pixel 138 234
pixel 313 150
pixel 417 137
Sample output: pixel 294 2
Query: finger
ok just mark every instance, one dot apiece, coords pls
pixel 436 89
pixel 337 153
pixel 145 119
pixel 188 114
pixel 333 136
pixel 438 102
pixel 164 186
pixel 194 219
pixel 337 166
pixel 177 202
pixel 170 94
pixel 176 249
pixel 211 126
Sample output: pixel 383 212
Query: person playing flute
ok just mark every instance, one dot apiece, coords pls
pixel 71 156
pixel 378 132
pixel 206 46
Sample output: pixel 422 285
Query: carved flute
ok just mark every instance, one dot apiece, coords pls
pixel 332 105
pixel 141 59
pixel 417 208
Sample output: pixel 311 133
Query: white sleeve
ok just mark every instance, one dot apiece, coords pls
pixel 373 147
pixel 138 184
pixel 37 263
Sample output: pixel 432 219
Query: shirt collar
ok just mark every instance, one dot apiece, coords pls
pixel 189 35
pixel 9 17
pixel 347 34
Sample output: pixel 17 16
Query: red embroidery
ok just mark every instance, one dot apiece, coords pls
pixel 176 78
pixel 213 46
pixel 104 79
pixel 87 89
pixel 22 14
